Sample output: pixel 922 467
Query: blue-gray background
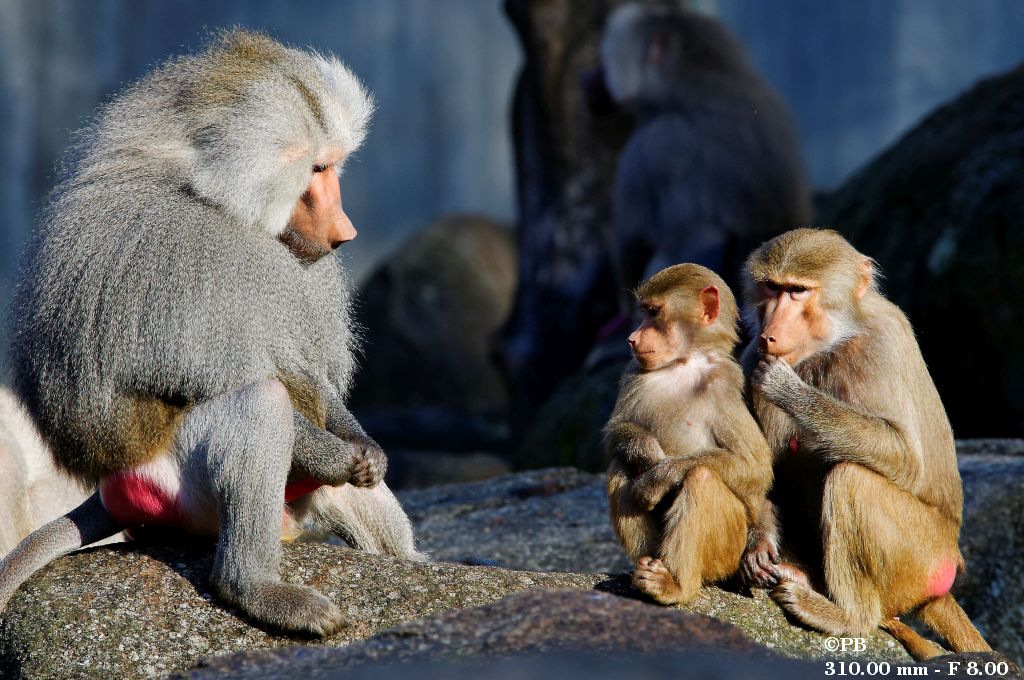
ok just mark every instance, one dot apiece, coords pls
pixel 856 74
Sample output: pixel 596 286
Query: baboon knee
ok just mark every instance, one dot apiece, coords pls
pixel 700 474
pixel 269 401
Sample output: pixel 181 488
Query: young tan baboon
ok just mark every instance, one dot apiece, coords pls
pixel 681 425
pixel 865 462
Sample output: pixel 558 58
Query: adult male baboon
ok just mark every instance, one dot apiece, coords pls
pixel 182 329
pixel 714 166
pixel 865 462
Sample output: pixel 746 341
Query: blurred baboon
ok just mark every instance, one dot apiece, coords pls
pixel 32 490
pixel 182 327
pixel 714 166
pixel 866 472
pixel 681 425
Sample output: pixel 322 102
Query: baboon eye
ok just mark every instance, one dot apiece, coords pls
pixel 773 289
pixel 319 168
pixel 798 292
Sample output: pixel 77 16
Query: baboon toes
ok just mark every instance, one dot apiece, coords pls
pixel 293 608
pixel 653 578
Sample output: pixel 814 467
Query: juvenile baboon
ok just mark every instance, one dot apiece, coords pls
pixel 713 167
pixel 865 462
pixel 182 328
pixel 681 432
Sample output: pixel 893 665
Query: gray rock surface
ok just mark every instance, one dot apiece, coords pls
pixel 528 622
pixel 558 665
pixel 542 520
pixel 145 611
pixel 526 521
pixel 992 540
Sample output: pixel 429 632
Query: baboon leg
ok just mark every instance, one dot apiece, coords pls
pixel 705 535
pixel 634 526
pixel 886 553
pixel 239 447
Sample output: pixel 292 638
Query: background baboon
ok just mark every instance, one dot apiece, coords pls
pixel 32 490
pixel 681 424
pixel 182 328
pixel 714 166
pixel 865 463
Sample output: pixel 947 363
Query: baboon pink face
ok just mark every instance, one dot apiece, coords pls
pixel 666 332
pixel 793 326
pixel 318 223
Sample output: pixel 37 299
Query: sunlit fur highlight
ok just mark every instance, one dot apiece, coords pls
pixel 241 125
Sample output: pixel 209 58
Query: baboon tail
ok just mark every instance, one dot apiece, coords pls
pixel 917 646
pixel 86 524
pixel 946 618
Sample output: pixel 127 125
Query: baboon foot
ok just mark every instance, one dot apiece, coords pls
pixel 653 578
pixel 292 608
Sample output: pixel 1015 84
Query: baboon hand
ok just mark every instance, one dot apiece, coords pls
pixel 775 379
pixel 369 463
pixel 759 565
pixel 652 486
pixel 645 454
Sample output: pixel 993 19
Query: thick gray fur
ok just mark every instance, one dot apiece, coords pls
pixel 156 271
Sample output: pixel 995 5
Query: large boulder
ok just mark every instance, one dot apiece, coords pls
pixel 942 211
pixel 554 519
pixel 145 611
pixel 428 314
pixel 502 517
pixel 992 539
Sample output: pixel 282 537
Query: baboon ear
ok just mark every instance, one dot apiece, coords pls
pixel 866 277
pixel 710 305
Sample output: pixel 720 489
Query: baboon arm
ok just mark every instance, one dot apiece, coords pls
pixel 745 461
pixel 731 468
pixel 766 528
pixel 848 433
pixel 341 422
pixel 635 446
pixel 368 462
pixel 762 552
pixel 321 455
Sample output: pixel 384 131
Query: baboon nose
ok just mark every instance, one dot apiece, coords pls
pixel 766 341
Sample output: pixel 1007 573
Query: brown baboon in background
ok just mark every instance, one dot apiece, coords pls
pixel 865 463
pixel 681 431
